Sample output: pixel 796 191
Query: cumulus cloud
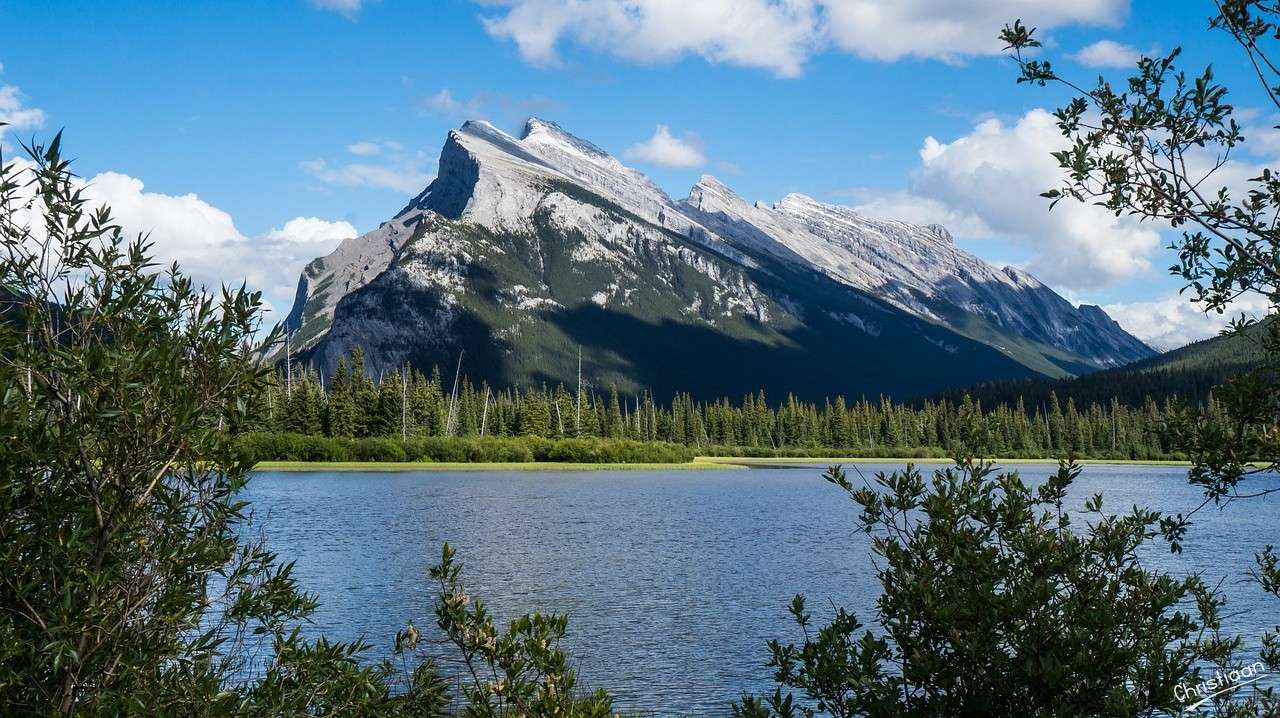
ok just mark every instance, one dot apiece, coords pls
pixel 1108 53
pixel 907 206
pixel 987 184
pixel 205 242
pixel 756 33
pixel 15 113
pixel 182 226
pixel 948 30
pixel 1174 321
pixel 666 150
pixel 777 35
pixel 312 231
pixel 382 165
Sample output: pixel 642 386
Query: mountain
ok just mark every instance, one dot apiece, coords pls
pixel 523 250
pixel 1190 373
pixel 1230 352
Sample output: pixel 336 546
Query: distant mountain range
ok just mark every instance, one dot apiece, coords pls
pixel 1190 373
pixel 525 251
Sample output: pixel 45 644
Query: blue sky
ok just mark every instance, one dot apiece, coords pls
pixel 252 115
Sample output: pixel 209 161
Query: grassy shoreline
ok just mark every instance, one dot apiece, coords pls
pixel 479 466
pixel 701 462
pixel 827 460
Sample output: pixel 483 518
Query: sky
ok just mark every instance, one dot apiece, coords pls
pixel 251 137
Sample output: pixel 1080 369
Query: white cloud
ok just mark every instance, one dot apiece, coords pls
pixel 273 261
pixel 1108 53
pixel 312 231
pixel 910 207
pixel 386 166
pixel 756 33
pixel 182 226
pixel 1175 320
pixel 364 149
pixel 348 8
pixel 205 242
pixel 442 101
pixel 667 150
pixel 15 113
pixel 950 30
pixel 404 179
pixel 494 106
pixel 1262 138
pixel 987 184
pixel 778 35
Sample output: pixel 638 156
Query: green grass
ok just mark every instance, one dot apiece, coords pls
pixel 793 460
pixel 699 463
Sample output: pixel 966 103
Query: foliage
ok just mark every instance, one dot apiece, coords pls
pixel 255 447
pixel 1152 150
pixel 994 603
pixel 1043 425
pixel 1156 149
pixel 521 671
pixel 126 586
pixel 130 583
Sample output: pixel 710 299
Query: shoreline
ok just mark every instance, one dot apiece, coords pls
pixel 372 466
pixel 700 462
pixel 772 461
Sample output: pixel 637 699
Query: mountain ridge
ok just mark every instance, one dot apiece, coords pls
pixel 1191 373
pixel 509 210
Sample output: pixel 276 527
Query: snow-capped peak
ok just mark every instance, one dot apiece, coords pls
pixel 1021 277
pixel 711 182
pixel 504 183
pixel 709 194
pixel 798 203
pixel 544 132
pixel 942 232
pixel 492 178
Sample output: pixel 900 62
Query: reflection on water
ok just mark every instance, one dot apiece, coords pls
pixel 673 581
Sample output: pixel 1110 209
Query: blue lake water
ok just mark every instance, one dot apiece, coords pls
pixel 673 580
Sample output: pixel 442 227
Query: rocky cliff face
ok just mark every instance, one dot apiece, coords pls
pixel 524 249
pixel 917 268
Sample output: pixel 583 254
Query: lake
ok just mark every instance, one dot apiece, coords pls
pixel 673 580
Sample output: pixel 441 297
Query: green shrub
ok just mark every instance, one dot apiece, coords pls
pixel 131 582
pixel 257 446
pixel 375 449
pixel 996 602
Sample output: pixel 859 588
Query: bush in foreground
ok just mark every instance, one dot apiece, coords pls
pixel 128 585
pixel 995 604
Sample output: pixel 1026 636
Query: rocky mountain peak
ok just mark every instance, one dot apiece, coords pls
pixel 799 203
pixel 942 233
pixel 709 194
pixel 490 179
pixel 1020 277
pixel 544 132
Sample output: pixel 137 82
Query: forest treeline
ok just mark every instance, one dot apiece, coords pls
pixel 1191 373
pixel 353 403
pixel 1131 387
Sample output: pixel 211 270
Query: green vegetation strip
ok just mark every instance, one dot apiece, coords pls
pixel 699 463
pixel 828 460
